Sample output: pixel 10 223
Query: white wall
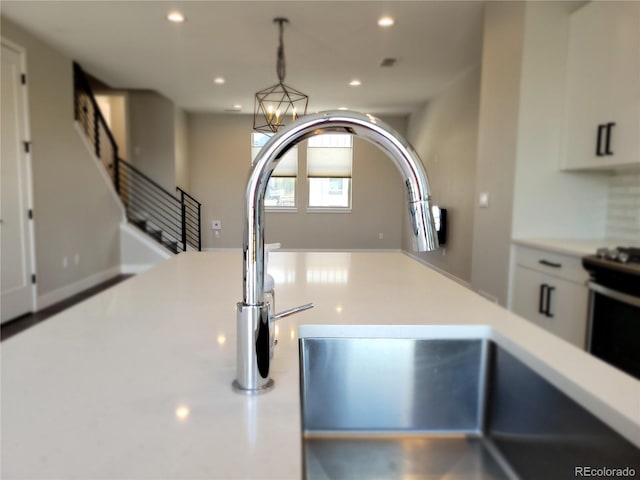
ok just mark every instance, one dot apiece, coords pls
pixel 445 133
pixel 219 147
pixel 75 211
pixel 113 107
pixel 547 202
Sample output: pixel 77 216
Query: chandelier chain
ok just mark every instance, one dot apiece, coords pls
pixel 281 66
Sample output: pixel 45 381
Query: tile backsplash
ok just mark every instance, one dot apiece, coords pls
pixel 623 210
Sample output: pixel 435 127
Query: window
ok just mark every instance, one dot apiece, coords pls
pixel 281 189
pixel 329 161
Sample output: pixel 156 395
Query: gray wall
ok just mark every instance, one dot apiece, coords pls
pixel 181 148
pixel 497 146
pixel 219 149
pixel 152 136
pixel 444 133
pixel 520 145
pixel 75 212
pixel 158 139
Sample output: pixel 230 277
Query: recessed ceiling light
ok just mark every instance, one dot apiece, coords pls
pixel 175 17
pixel 237 107
pixel 219 80
pixel 343 108
pixel 355 82
pixel 385 21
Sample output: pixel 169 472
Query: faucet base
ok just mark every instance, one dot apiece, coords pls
pixel 236 387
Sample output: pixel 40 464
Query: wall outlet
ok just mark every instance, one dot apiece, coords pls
pixel 76 259
pixel 216 233
pixel 381 235
pixel 216 224
pixel 65 262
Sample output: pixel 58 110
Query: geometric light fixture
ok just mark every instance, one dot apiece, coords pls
pixel 279 104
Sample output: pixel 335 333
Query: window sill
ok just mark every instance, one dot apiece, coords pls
pixel 328 209
pixel 281 209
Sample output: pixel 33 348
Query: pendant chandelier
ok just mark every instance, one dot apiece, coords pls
pixel 279 104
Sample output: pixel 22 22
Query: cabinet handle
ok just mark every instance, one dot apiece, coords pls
pixel 547 263
pixel 547 310
pixel 541 297
pixel 599 141
pixel 607 148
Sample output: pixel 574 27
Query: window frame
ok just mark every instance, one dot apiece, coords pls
pixel 325 208
pixel 278 208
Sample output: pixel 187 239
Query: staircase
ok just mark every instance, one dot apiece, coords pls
pixel 173 220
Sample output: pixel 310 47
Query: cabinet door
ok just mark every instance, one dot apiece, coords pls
pixel 603 86
pixel 557 305
pixel 568 305
pixel 624 26
pixel 527 295
pixel 589 65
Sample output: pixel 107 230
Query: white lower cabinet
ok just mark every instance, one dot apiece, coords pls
pixel 550 290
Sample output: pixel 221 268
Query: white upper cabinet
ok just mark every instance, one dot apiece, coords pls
pixel 603 87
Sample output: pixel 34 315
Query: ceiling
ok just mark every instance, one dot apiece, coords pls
pixel 130 44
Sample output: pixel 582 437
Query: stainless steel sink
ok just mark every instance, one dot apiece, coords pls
pixel 441 408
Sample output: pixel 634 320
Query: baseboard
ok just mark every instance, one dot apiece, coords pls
pixel 421 260
pixel 145 239
pixel 135 269
pixel 67 291
pixel 339 250
pixel 229 249
pixel 304 250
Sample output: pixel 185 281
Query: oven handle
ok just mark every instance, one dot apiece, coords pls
pixel 621 297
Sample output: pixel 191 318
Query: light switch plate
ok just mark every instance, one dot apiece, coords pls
pixel 483 202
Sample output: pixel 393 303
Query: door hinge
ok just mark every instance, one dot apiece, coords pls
pixel 23 78
pixel 27 147
pixel 30 214
pixel 33 278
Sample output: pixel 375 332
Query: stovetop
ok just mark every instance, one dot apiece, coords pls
pixel 620 260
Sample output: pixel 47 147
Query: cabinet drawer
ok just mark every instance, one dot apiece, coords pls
pixel 552 263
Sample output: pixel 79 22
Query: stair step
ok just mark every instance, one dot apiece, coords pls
pixel 141 224
pixel 173 246
pixel 157 234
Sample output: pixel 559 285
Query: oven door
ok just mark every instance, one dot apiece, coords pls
pixel 614 328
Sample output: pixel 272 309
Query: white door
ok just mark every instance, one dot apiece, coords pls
pixel 16 259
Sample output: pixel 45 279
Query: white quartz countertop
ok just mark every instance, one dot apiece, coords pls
pixel 136 381
pixel 577 247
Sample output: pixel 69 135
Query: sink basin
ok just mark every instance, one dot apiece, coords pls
pixel 382 407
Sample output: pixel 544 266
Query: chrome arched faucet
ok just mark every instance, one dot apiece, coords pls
pixel 254 318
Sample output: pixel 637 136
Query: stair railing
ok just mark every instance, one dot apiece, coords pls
pixel 174 222
pixel 191 219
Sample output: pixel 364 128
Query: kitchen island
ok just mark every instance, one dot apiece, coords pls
pixel 136 381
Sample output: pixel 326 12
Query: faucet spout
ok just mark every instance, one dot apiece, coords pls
pixel 253 315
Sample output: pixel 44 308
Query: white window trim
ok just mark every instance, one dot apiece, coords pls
pixel 329 209
pixel 283 209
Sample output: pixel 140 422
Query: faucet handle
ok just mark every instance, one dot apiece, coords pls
pixel 273 341
pixel 292 311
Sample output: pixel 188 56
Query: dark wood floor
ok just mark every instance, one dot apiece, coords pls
pixel 20 324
